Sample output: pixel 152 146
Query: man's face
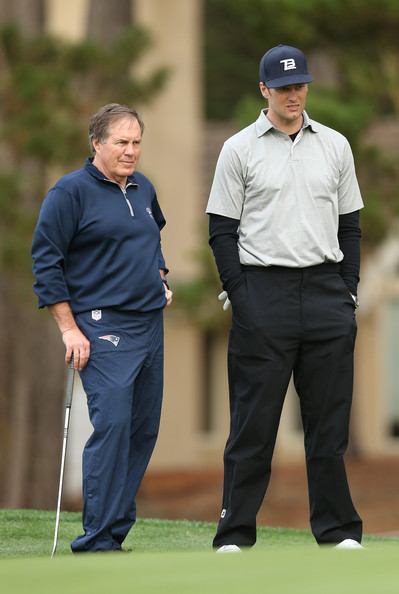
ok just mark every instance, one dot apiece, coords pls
pixel 286 104
pixel 118 156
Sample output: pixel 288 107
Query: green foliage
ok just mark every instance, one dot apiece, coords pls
pixel 360 35
pixel 48 91
pixel 197 298
pixel 16 224
pixel 51 88
pixel 372 219
pixel 329 106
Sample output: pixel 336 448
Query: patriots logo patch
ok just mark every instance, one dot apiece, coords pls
pixel 111 338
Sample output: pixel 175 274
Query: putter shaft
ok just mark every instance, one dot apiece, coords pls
pixel 68 404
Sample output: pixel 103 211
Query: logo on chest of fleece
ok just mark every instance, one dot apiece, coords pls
pixel 149 212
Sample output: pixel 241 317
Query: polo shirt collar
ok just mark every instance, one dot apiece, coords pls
pixel 308 123
pixel 263 124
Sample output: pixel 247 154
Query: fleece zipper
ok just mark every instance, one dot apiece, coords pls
pixel 127 200
pixel 124 193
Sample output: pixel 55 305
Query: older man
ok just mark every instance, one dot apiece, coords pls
pixel 99 268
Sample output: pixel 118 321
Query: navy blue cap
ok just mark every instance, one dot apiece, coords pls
pixel 283 65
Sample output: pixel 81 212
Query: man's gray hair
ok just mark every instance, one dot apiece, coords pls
pixel 101 121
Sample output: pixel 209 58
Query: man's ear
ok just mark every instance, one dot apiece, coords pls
pixel 95 144
pixel 264 90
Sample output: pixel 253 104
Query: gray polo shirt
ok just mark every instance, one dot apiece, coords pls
pixel 287 195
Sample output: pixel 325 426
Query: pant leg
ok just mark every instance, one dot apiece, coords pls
pixel 146 413
pixel 109 381
pixel 323 378
pixel 262 350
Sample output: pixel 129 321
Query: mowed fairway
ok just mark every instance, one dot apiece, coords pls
pixel 175 557
pixel 278 571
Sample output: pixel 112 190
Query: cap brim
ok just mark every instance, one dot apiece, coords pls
pixel 284 81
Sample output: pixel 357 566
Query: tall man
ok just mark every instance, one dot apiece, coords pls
pixel 99 268
pixel 284 229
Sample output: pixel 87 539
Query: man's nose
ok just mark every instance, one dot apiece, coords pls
pixel 130 149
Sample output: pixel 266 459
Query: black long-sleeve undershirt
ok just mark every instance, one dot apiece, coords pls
pixel 349 235
pixel 223 237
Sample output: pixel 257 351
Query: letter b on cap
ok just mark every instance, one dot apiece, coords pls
pixel 289 64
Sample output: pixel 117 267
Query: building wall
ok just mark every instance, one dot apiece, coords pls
pixel 376 397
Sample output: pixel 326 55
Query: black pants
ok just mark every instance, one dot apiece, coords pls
pixel 286 321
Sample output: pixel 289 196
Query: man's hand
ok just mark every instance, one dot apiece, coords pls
pixel 75 341
pixel 168 292
pixel 223 295
pixel 77 345
pixel 169 296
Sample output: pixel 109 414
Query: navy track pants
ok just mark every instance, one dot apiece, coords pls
pixel 123 381
pixel 286 321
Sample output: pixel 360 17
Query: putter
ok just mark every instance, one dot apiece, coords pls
pixel 68 404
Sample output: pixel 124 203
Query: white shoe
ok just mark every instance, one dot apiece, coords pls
pixel 349 543
pixel 229 549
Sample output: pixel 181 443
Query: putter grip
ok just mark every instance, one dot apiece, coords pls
pixel 69 391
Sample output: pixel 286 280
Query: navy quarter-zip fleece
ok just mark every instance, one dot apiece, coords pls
pixel 97 245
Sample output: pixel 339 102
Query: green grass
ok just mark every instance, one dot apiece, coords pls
pixel 176 557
